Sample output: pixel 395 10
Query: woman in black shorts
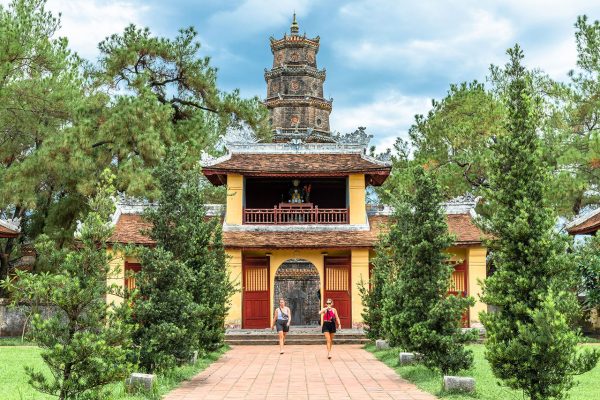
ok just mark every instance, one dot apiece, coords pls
pixel 281 318
pixel 330 319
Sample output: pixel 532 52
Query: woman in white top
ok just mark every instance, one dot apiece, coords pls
pixel 281 318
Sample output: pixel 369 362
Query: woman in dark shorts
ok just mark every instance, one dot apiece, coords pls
pixel 281 319
pixel 330 319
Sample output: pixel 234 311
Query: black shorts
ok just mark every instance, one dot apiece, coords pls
pixel 328 326
pixel 282 325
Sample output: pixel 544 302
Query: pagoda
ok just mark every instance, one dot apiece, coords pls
pixel 295 99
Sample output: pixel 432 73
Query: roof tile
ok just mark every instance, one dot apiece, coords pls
pixel 129 229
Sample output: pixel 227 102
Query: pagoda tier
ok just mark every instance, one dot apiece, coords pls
pixel 295 99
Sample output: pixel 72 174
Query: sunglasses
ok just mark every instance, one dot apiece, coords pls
pixel 328 302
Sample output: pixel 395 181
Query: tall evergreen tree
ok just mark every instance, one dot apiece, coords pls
pixel 184 287
pixel 531 344
pixel 418 314
pixel 85 342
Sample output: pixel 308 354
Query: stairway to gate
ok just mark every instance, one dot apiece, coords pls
pixel 297 335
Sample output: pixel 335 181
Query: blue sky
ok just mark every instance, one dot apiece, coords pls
pixel 385 59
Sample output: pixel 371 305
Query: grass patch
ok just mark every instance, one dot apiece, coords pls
pixel 169 380
pixel 485 382
pixel 14 381
pixel 590 339
pixel 15 341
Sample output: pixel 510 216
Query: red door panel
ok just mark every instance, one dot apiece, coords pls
pixel 256 294
pixel 337 287
pixel 458 287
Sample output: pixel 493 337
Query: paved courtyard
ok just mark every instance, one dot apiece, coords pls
pixel 303 372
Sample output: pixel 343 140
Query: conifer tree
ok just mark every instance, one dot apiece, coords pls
pixel 531 344
pixel 372 293
pixel 85 342
pixel 184 287
pixel 418 315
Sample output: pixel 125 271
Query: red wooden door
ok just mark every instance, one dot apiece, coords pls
pixel 337 287
pixel 458 287
pixel 256 294
pixel 130 270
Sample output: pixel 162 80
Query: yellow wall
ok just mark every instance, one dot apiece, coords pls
pixel 356 196
pixel 235 204
pixel 477 273
pixel 116 274
pixel 360 272
pixel 234 265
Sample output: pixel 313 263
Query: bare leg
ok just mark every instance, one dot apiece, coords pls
pixel 331 335
pixel 328 339
pixel 284 335
pixel 281 340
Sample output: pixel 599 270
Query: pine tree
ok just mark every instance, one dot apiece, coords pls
pixel 184 287
pixel 418 315
pixel 372 293
pixel 85 343
pixel 531 344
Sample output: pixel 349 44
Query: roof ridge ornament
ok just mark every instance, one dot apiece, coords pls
pixel 294 28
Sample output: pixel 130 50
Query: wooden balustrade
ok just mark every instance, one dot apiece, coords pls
pixel 295 214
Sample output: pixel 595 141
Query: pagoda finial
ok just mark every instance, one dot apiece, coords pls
pixel 294 28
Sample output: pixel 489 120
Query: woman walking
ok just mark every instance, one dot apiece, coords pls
pixel 281 319
pixel 330 319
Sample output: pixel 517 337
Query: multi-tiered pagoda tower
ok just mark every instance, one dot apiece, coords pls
pixel 295 90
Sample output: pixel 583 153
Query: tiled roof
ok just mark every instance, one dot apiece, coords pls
pixel 128 229
pixel 587 223
pixel 465 230
pixel 7 230
pixel 312 164
pixel 461 225
pixel 258 163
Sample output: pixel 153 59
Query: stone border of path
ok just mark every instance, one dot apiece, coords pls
pixel 259 372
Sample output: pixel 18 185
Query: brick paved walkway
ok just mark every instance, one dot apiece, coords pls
pixel 259 372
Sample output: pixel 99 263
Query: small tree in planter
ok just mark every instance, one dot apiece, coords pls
pixel 418 315
pixel 85 342
pixel 531 343
pixel 183 288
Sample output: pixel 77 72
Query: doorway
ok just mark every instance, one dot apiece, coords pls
pixel 298 282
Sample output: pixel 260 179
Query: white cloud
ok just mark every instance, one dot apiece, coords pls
pixel 556 59
pixel 253 16
pixel 86 23
pixel 388 117
pixel 531 11
pixel 472 41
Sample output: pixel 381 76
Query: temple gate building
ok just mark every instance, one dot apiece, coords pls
pixel 296 223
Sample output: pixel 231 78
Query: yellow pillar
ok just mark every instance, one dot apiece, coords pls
pixel 359 273
pixel 356 197
pixel 234 267
pixel 116 274
pixel 477 273
pixel 235 204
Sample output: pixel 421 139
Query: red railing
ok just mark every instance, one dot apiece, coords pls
pixel 295 214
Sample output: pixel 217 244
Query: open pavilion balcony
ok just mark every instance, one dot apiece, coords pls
pixel 295 201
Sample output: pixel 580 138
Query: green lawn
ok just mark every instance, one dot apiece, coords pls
pixel 588 387
pixel 14 386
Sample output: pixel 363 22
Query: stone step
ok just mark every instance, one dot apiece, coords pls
pixel 289 341
pixel 297 335
pixel 290 336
